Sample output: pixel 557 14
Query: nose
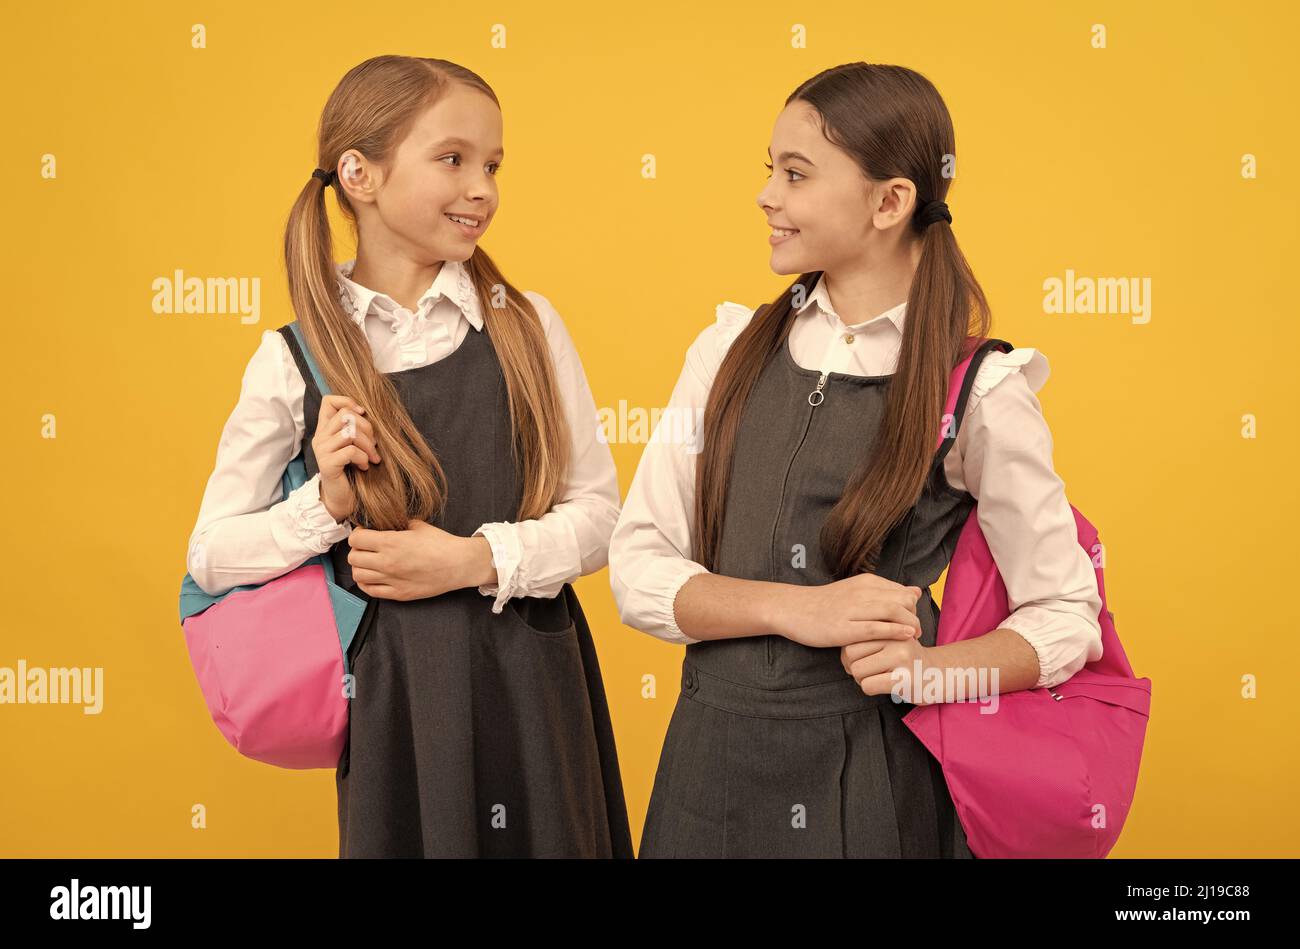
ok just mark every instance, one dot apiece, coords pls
pixel 764 199
pixel 482 188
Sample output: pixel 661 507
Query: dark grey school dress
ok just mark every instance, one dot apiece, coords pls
pixel 773 750
pixel 472 733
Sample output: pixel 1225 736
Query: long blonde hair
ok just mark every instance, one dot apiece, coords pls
pixel 371 110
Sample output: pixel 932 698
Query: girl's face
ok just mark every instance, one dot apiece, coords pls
pixel 821 207
pixel 445 168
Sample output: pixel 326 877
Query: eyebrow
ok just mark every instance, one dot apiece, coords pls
pixel 786 156
pixel 462 143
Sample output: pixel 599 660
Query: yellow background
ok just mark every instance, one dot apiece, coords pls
pixel 1116 162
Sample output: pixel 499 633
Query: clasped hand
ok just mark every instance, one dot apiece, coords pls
pixel 411 564
pixel 872 620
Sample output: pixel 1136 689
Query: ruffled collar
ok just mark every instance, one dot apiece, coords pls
pixel 411 328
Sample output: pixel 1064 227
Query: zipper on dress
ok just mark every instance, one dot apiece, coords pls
pixel 815 398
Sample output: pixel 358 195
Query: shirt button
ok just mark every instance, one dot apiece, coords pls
pixel 848 339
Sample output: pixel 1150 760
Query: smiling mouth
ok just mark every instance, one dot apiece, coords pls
pixel 783 232
pixel 466 221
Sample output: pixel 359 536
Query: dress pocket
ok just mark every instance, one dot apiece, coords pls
pixel 546 618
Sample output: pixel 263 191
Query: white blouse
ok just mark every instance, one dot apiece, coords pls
pixel 1002 456
pixel 248 533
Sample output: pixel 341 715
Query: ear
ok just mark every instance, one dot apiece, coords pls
pixel 359 177
pixel 893 201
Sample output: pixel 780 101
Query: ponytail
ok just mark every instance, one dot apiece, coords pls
pixel 893 122
pixel 370 111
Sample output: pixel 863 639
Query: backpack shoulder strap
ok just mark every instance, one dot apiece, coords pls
pixel 959 385
pixel 297 341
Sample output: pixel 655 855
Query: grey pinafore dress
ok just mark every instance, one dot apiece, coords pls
pixel 773 750
pixel 472 733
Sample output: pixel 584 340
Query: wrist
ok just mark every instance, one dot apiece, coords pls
pixel 339 516
pixel 780 607
pixel 478 567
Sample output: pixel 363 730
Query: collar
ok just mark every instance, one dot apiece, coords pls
pixel 821 296
pixel 453 282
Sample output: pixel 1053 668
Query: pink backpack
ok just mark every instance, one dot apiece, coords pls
pixel 1050 773
pixel 272 658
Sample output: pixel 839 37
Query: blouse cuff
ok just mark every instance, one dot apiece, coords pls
pixel 680 572
pixel 312 522
pixel 1060 652
pixel 507 556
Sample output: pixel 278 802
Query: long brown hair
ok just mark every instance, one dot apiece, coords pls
pixel 371 110
pixel 894 124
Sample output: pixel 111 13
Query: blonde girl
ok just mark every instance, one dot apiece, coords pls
pixel 456 481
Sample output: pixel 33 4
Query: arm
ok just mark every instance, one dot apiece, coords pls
pixel 1004 650
pixel 538 557
pixel 246 532
pixel 1004 458
pixel 861 608
pixel 661 591
pixel 650 551
pixel 711 606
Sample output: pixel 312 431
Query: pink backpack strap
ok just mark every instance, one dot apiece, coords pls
pixel 959 385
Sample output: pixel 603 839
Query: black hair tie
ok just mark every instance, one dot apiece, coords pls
pixel 930 212
pixel 326 176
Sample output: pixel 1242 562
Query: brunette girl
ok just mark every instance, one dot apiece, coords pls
pixel 790 539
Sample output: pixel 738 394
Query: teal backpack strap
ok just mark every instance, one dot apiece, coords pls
pixel 296 474
pixel 349 609
pixel 311 362
pixel 193 599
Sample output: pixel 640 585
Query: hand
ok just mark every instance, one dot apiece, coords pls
pixel 411 564
pixel 343 437
pixel 882 666
pixel 859 608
